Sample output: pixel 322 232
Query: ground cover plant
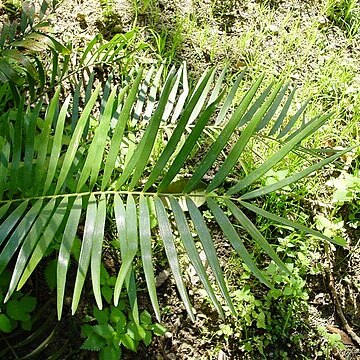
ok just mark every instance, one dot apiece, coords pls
pixel 164 155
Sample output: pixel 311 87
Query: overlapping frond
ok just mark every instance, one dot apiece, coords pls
pixel 62 177
pixel 22 46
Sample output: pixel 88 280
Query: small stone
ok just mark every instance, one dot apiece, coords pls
pixel 273 28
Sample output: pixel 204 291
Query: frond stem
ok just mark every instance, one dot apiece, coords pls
pixel 121 192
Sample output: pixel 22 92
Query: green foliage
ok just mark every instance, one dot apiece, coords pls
pixel 114 329
pixel 279 313
pixel 345 14
pixel 331 342
pixel 347 189
pixel 50 274
pixel 77 183
pixel 17 311
pixel 111 23
pixel 346 211
pixel 22 46
pixel 96 165
pixel 270 323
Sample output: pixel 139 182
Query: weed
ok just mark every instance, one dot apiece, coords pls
pixel 18 310
pixel 345 14
pixel 113 329
pixel 330 342
pixel 110 328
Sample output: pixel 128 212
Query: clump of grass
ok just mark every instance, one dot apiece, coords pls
pixel 345 14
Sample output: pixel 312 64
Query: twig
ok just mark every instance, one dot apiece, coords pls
pixel 9 346
pixel 335 297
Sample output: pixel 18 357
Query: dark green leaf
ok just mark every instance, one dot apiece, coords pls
pixel 5 324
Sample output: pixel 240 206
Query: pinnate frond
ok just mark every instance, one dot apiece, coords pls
pixel 63 178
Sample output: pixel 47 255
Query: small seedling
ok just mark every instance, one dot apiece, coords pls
pixel 114 329
pixel 17 310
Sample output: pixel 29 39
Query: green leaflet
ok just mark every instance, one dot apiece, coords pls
pixel 65 250
pixel 290 223
pixel 272 161
pixel 210 251
pixel 256 235
pixel 236 241
pixel 223 138
pixel 75 140
pixel 96 251
pixel 146 252
pixel 85 253
pixel 52 223
pixel 192 252
pixel 60 180
pixel 168 240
